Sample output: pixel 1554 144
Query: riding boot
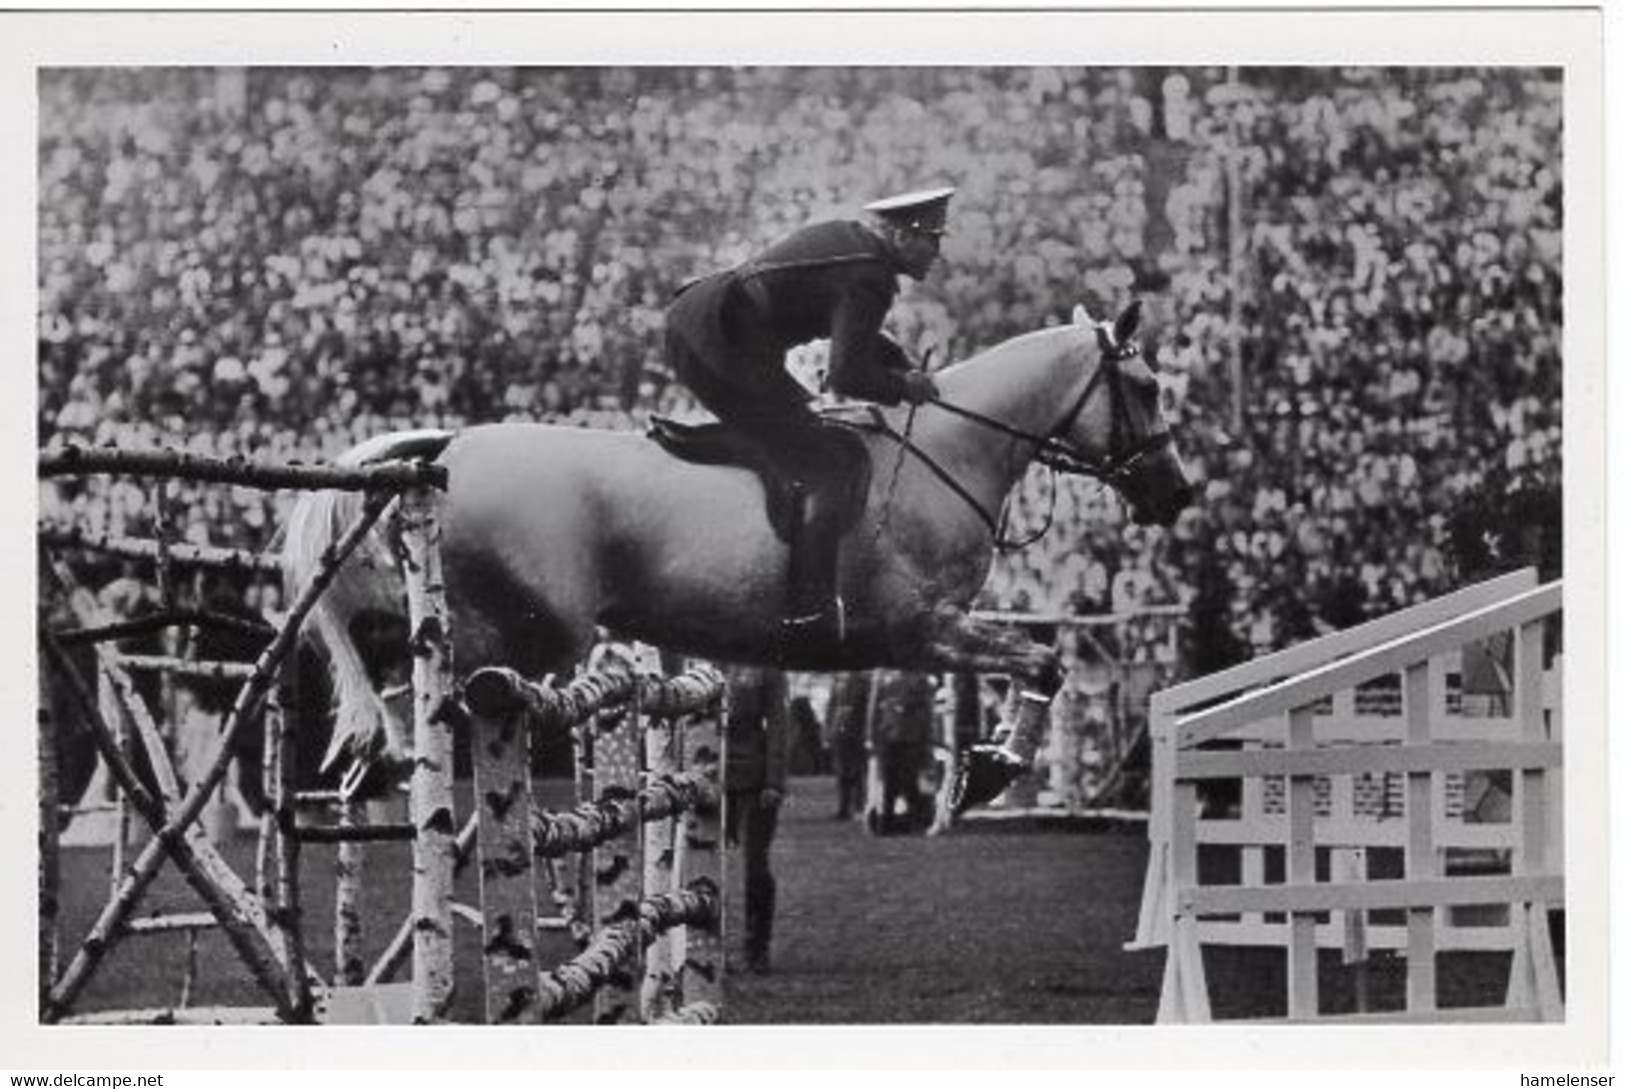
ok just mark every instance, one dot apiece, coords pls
pixel 814 618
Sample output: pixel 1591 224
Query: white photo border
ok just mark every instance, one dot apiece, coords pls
pixel 1258 35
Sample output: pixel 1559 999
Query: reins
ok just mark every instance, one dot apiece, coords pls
pixel 1050 449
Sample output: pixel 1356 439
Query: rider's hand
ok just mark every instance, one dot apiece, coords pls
pixel 918 388
pixel 770 798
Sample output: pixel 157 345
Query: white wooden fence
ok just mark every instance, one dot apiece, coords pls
pixel 1331 802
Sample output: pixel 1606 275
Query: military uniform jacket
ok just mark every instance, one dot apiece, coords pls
pixel 904 706
pixel 833 280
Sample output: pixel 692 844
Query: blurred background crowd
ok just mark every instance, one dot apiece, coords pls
pixel 1353 280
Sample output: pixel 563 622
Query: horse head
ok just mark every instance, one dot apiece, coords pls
pixel 1115 429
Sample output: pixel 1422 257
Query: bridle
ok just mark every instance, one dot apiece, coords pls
pixel 1053 449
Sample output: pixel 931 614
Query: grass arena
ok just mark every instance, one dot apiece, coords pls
pixel 874 931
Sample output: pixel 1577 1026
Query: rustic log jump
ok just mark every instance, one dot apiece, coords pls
pixel 262 925
pixel 651 877
pixel 394 476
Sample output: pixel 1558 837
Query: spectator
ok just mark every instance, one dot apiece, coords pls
pixel 277 263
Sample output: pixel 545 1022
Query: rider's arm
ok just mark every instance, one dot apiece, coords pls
pixel 859 363
pixel 890 355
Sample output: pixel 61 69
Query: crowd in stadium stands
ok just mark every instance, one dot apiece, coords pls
pixel 279 263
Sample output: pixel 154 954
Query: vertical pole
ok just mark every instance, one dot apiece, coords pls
pixel 173 641
pixel 701 858
pixel 433 817
pixel 349 866
pixel 283 741
pixel 577 865
pixel 1350 864
pixel 1421 853
pixel 1184 993
pixel 1534 965
pixel 617 864
pixel 952 756
pixel 874 789
pixel 1156 900
pixel 500 740
pixel 269 849
pixel 1253 816
pixel 107 702
pixel 189 972
pixel 1238 376
pixel 1303 981
pixel 50 825
pixel 659 856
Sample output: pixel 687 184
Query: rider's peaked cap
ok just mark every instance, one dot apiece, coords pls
pixel 922 210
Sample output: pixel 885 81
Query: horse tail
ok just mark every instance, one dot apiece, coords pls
pixel 364 728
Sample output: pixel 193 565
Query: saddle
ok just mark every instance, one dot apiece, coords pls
pixel 840 478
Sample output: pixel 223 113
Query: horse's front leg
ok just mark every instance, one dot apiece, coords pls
pixel 961 643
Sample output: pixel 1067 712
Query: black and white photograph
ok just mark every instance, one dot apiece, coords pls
pixel 1053 521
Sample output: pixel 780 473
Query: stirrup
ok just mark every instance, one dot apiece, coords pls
pixel 813 621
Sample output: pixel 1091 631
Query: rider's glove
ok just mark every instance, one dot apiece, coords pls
pixel 918 388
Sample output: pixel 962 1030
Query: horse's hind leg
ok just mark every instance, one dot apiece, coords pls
pixel 364 726
pixel 961 643
pixel 495 623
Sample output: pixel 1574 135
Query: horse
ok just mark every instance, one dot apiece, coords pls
pixel 551 533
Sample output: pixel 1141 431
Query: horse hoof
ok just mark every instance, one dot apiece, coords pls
pixel 985 774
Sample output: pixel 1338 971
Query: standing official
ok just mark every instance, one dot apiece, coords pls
pixel 904 702
pixel 754 775
pixel 848 727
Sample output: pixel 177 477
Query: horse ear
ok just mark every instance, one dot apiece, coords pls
pixel 1128 323
pixel 1080 316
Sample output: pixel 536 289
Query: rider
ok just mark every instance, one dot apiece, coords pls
pixel 727 336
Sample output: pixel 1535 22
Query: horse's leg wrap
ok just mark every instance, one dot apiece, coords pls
pixel 1022 737
pixel 977 646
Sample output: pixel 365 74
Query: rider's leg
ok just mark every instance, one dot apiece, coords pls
pixel 814 565
pixel 742 381
pixel 814 610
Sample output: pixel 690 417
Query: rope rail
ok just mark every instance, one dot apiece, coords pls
pixel 648 751
pixel 496 690
pixel 594 823
pixel 574 982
